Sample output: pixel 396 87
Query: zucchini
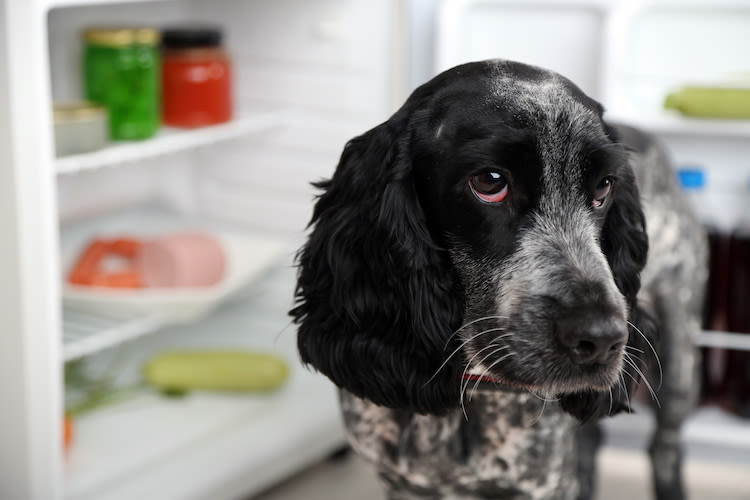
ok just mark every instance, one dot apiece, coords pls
pixel 239 371
pixel 711 102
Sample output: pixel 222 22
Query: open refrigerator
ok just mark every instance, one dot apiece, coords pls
pixel 307 76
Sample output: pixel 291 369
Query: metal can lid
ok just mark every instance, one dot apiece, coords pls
pixel 121 37
pixel 77 111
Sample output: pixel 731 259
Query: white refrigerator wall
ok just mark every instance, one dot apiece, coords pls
pixel 327 63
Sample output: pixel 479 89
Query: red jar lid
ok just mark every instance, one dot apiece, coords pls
pixel 191 37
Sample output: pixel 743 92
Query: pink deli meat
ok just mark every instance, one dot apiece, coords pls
pixel 184 259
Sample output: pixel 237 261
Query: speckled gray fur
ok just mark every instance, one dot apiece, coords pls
pixel 517 445
pixel 506 446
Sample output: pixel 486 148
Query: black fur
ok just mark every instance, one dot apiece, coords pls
pixel 377 300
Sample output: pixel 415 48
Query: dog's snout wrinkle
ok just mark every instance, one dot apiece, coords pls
pixel 592 338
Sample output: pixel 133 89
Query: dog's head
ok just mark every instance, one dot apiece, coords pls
pixel 490 228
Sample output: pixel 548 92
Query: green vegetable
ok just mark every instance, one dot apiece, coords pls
pixel 177 371
pixel 711 102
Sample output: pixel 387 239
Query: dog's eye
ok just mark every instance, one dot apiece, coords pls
pixel 489 186
pixel 602 191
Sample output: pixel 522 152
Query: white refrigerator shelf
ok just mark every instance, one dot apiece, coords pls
pixel 54 4
pixel 203 446
pixel 725 340
pixel 171 140
pixel 671 123
pixel 86 332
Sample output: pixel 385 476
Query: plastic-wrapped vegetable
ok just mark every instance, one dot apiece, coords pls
pixel 711 102
pixel 242 371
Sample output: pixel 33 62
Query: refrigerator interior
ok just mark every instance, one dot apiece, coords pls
pixel 307 76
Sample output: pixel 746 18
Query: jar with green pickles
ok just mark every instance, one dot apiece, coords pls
pixel 121 72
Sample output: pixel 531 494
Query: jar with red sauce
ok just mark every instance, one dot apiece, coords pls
pixel 196 77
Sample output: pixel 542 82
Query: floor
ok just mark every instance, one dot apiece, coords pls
pixel 623 476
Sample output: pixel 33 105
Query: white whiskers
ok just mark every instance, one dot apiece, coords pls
pixel 465 381
pixel 472 322
pixel 461 346
pixel 628 359
pixel 656 356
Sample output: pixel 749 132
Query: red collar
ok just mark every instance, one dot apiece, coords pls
pixel 486 382
pixel 480 378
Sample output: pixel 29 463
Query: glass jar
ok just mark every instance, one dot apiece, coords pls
pixel 196 77
pixel 121 72
pixel 80 127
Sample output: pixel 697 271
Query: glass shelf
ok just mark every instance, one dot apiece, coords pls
pixel 54 4
pixel 86 332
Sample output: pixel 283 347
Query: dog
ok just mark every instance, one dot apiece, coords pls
pixel 477 282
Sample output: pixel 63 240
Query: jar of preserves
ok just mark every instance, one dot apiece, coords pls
pixel 196 77
pixel 121 72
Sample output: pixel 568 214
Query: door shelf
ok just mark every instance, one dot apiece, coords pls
pixel 170 140
pixel 726 340
pixel 673 124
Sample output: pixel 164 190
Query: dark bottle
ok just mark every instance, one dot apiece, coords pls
pixel 737 382
pixel 715 316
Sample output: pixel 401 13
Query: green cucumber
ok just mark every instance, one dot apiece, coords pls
pixel 711 102
pixel 239 371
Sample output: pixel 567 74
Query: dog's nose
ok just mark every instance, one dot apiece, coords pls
pixel 592 339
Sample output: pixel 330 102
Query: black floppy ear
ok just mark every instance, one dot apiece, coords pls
pixel 624 237
pixel 375 299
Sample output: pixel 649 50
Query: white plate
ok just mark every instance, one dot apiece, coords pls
pixel 247 258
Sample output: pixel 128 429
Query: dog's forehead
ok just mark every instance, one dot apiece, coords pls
pixel 533 99
pixel 541 97
pixel 566 123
